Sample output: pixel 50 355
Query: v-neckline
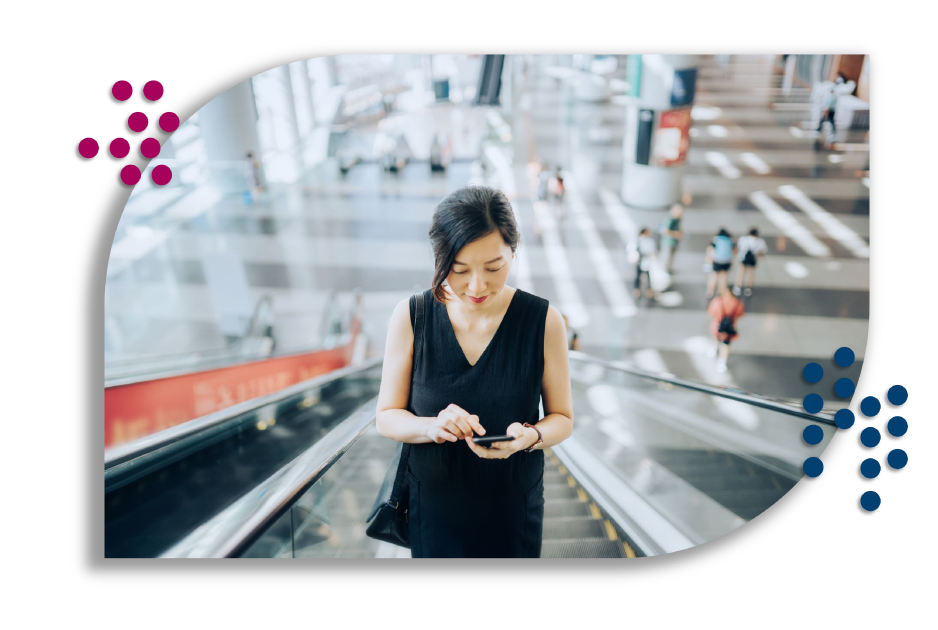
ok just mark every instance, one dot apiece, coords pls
pixel 498 330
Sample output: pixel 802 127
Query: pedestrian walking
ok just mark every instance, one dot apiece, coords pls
pixel 751 248
pixel 720 254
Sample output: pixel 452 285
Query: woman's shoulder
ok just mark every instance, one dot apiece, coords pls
pixel 530 300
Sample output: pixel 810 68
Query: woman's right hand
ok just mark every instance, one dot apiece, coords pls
pixel 453 424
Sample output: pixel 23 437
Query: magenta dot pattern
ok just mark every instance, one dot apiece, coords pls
pixel 136 122
pixel 153 90
pixel 88 148
pixel 150 148
pixel 122 90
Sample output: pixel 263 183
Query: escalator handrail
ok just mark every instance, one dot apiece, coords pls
pixel 131 450
pixel 825 416
pixel 233 530
pixel 220 362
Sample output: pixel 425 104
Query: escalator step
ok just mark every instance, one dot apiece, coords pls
pixel 566 507
pixel 573 527
pixel 582 548
pixel 559 491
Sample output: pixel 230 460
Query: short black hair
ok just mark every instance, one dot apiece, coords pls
pixel 464 216
pixel 723 232
pixel 754 232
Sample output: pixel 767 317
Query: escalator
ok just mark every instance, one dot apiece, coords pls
pixel 656 464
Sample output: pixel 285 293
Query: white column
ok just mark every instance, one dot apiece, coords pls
pixel 302 96
pixel 646 181
pixel 228 127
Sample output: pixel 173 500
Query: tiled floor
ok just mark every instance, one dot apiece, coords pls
pixel 749 165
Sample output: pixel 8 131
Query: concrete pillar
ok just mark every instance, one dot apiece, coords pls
pixel 656 131
pixel 228 127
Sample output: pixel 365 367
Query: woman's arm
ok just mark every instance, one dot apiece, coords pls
pixel 393 420
pixel 557 423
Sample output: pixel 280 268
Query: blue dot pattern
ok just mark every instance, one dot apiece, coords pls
pixel 813 467
pixel 897 426
pixel 870 468
pixel 813 372
pixel 870 406
pixel 897 395
pixel 870 501
pixel 897 458
pixel 844 387
pixel 870 437
pixel 813 403
pixel 844 357
pixel 812 434
pixel 844 418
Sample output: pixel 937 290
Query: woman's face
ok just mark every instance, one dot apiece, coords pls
pixel 480 271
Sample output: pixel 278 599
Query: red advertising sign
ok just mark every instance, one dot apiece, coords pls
pixel 139 409
pixel 672 138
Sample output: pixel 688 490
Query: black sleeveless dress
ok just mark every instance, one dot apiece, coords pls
pixel 460 505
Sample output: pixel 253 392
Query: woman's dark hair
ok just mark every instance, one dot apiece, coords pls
pixel 465 216
pixel 644 230
pixel 754 232
pixel 723 232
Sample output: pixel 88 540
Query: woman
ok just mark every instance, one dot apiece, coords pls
pixel 490 352
pixel 724 310
pixel 720 254
pixel 751 248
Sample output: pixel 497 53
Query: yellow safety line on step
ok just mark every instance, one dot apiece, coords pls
pixel 562 469
pixel 751 472
pixel 595 511
pixel 582 495
pixel 571 481
pixel 629 552
pixel 775 483
pixel 611 531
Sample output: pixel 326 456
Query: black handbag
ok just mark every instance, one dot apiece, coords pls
pixel 388 519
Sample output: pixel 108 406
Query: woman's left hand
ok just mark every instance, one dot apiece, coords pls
pixel 503 450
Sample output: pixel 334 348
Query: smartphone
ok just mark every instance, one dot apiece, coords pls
pixel 491 439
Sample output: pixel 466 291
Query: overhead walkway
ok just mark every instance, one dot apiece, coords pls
pixel 656 464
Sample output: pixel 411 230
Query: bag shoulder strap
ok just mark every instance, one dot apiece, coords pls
pixel 418 320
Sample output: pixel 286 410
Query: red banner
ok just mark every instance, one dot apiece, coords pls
pixel 139 409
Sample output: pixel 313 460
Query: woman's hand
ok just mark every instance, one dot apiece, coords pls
pixel 453 424
pixel 524 438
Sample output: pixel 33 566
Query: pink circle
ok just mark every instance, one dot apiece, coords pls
pixel 169 122
pixel 150 148
pixel 88 148
pixel 130 174
pixel 122 90
pixel 137 122
pixel 153 90
pixel 161 175
pixel 120 147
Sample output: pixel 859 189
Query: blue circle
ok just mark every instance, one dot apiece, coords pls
pixel 897 426
pixel 870 406
pixel 813 467
pixel 897 458
pixel 813 372
pixel 870 468
pixel 813 403
pixel 844 418
pixel 844 387
pixel 869 501
pixel 844 357
pixel 869 437
pixel 812 434
pixel 897 395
